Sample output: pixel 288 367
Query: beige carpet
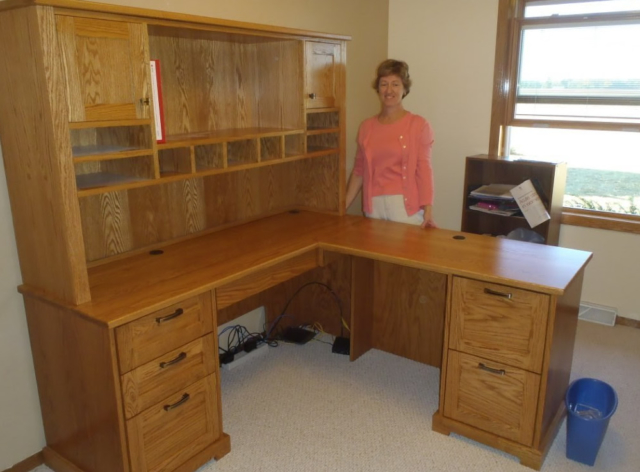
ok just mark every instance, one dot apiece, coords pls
pixel 306 409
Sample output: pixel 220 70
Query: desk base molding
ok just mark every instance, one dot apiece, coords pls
pixel 216 451
pixel 529 457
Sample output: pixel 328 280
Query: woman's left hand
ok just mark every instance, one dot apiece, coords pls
pixel 427 221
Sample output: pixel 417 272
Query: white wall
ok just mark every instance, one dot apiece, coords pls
pixel 449 45
pixel 365 20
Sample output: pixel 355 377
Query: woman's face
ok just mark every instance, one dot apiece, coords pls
pixel 390 90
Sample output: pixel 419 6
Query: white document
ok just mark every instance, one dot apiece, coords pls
pixel 530 204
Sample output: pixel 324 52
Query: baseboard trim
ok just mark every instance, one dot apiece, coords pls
pixel 627 322
pixel 28 464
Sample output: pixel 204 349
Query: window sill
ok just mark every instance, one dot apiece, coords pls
pixel 601 220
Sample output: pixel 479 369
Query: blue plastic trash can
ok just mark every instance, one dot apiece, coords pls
pixel 590 404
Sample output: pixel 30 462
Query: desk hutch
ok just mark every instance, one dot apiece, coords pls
pixel 133 251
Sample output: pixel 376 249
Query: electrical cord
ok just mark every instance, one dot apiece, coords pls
pixel 343 323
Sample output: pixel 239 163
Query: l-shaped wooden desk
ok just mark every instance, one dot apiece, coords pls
pixel 130 380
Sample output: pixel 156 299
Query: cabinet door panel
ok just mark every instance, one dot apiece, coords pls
pixel 106 67
pixel 491 396
pixel 497 322
pixel 322 60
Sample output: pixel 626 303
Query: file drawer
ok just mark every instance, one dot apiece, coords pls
pixel 500 323
pixel 170 432
pixel 169 328
pixel 177 369
pixel 491 396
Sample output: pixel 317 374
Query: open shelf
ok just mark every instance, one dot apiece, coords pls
pixel 548 179
pixel 110 142
pixel 323 120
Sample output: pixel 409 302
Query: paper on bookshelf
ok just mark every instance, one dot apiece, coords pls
pixel 156 90
pixel 495 211
pixel 530 204
pixel 493 191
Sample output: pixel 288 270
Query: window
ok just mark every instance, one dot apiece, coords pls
pixel 568 89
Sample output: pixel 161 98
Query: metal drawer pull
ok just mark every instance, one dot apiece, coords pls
pixel 489 369
pixel 181 356
pixel 173 315
pixel 184 399
pixel 498 294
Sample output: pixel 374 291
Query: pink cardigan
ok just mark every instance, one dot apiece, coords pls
pixel 417 137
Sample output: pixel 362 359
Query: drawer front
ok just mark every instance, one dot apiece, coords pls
pixel 177 369
pixel 498 322
pixel 172 431
pixel 490 396
pixel 154 335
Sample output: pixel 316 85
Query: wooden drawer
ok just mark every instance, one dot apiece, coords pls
pixel 491 396
pixel 498 322
pixel 172 431
pixel 154 335
pixel 177 369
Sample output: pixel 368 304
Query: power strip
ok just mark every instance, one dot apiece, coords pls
pixel 244 357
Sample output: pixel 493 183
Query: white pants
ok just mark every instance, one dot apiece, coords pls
pixel 391 207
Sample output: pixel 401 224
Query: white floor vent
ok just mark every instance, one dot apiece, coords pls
pixel 605 315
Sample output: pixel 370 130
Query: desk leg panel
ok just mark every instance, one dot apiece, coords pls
pixel 362 300
pixel 408 312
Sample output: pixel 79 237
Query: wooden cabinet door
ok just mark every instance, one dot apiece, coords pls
pixel 322 61
pixel 107 68
pixel 491 396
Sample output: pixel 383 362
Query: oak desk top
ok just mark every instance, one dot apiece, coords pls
pixel 125 289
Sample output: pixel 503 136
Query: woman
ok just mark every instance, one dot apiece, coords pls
pixel 393 162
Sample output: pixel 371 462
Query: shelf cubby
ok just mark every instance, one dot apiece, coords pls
pixel 271 148
pixel 323 119
pixel 110 142
pixel 322 142
pixel 175 161
pixel 294 145
pixel 209 156
pixel 242 152
pixel 114 172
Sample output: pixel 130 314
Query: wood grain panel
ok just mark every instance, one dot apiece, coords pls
pixel 497 322
pixel 408 312
pixel 173 371
pixel 78 387
pixel 37 156
pixel 502 402
pixel 163 437
pixel 262 280
pixel 317 183
pixel 148 338
pixel 164 212
pixel 280 84
pixel 105 224
pixel 209 81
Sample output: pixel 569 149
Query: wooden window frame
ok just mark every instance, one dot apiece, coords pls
pixel 510 23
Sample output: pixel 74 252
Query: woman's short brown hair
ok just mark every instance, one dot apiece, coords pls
pixel 394 67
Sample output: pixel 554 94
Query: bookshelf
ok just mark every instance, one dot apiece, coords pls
pixel 549 179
